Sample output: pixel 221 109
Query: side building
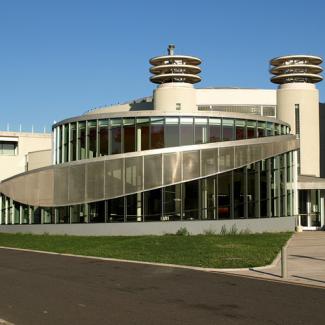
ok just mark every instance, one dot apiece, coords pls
pixel 186 157
pixel 23 151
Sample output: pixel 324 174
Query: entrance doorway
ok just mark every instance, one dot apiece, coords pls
pixel 309 209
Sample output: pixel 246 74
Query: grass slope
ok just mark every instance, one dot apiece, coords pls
pixel 216 251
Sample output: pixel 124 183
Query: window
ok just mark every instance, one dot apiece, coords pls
pixel 157 133
pixel 227 129
pixel 240 129
pixel 103 137
pixel 129 134
pixel 201 126
pixel 92 133
pixel 186 131
pixel 73 142
pixel 115 136
pixel 143 128
pixel 251 129
pixel 171 132
pixel 8 148
pixel 214 129
pixel 297 119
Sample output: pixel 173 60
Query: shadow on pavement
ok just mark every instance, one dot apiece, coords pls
pixel 309 257
pixel 267 273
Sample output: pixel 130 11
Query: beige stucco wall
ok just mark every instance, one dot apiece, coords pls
pixel 27 142
pixel 307 96
pixel 39 159
pixel 167 96
pixel 235 96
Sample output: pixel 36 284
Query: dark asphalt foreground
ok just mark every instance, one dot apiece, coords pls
pixel 51 289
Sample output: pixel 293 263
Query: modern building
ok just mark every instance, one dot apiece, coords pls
pixel 246 159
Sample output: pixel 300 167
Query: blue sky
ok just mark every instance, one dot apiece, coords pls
pixel 60 58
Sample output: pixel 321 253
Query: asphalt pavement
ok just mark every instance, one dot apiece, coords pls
pixel 52 289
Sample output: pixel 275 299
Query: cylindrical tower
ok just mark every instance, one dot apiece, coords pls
pixel 298 103
pixel 175 75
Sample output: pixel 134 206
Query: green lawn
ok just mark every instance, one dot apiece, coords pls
pixel 217 251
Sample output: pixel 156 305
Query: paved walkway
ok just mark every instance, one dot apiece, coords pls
pixel 306 261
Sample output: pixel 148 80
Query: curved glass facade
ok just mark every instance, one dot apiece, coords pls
pixel 101 137
pixel 259 190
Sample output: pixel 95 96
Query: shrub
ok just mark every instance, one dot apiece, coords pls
pixel 182 232
pixel 233 230
pixel 223 230
pixel 209 232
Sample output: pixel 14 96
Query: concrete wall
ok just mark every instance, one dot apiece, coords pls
pixel 156 228
pixel 322 138
pixel 204 96
pixel 39 159
pixel 236 96
pixel 27 142
pixel 307 96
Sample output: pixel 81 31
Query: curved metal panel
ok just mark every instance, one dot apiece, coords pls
pixel 118 175
pixel 172 168
pixel 152 171
pixel 95 181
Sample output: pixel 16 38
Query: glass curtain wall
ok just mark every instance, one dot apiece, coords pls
pixel 103 138
pixel 82 140
pixel 215 130
pixel 73 142
pixel 157 133
pixel 91 139
pixel 201 130
pixel 172 132
pixel 95 138
pixel 115 136
pixel 143 134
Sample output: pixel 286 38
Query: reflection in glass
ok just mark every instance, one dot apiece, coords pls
pixel 172 202
pixel 171 132
pixel 134 207
pixel 186 131
pixel 208 204
pixel 227 129
pixel 143 128
pixel 115 136
pixel 97 212
pixel 253 191
pixel 103 137
pixel 224 195
pixel 65 142
pixel 115 210
pixel 190 193
pixel 152 205
pixel 251 129
pixel 200 129
pixel 264 188
pixel 63 214
pixel 240 130
pixel 82 140
pixel 239 193
pixel 92 133
pixel 157 133
pixel 129 135
pixel 269 129
pixel 73 142
pixel 261 129
pixel 214 129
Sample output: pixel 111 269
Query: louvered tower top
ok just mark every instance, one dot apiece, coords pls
pixel 296 68
pixel 175 68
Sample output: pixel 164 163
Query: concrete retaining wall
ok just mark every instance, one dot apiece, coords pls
pixel 156 228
